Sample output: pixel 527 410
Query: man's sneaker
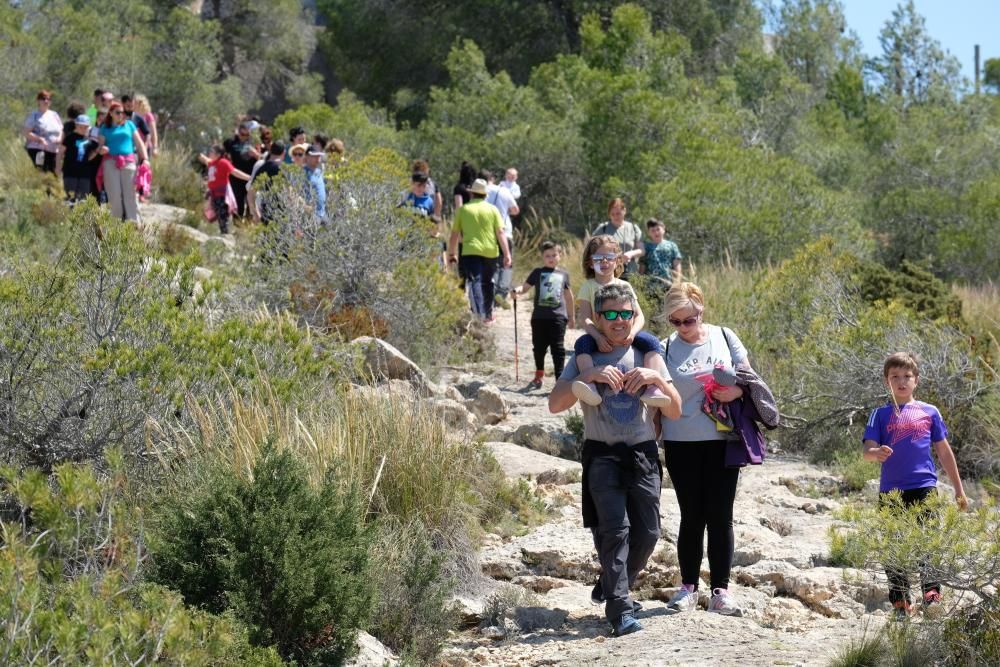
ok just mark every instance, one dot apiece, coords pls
pixel 597 597
pixel 626 625
pixel 586 392
pixel 901 610
pixel 683 600
pixel 654 398
pixel 723 603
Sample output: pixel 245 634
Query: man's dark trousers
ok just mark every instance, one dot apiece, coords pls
pixel 626 494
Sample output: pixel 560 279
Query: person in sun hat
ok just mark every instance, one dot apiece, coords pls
pixel 479 226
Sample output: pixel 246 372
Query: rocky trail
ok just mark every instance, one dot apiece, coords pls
pixel 798 609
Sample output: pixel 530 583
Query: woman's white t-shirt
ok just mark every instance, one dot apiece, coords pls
pixel 690 366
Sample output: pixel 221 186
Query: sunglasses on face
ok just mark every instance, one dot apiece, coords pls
pixel 604 258
pixel 685 322
pixel 298 154
pixel 612 315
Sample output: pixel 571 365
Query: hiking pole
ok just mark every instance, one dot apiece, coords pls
pixel 516 355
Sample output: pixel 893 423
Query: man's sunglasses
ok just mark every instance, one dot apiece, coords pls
pixel 685 322
pixel 612 315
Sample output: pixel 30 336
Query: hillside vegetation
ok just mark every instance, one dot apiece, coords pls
pixel 189 463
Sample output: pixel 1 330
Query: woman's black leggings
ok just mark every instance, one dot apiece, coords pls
pixel 706 490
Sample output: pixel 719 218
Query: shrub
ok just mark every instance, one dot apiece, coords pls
pixel 368 268
pixel 868 650
pixel 822 347
pixel 413 614
pixel 287 558
pixel 70 584
pixel 175 181
pixel 958 549
pixel 106 341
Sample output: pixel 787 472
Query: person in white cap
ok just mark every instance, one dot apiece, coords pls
pixel 77 160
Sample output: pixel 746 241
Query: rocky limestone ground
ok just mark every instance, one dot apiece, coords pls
pixel 799 610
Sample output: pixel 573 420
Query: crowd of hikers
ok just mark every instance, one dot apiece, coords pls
pixel 694 393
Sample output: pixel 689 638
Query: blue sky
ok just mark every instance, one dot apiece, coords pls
pixel 957 24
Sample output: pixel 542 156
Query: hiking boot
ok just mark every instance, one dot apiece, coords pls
pixel 683 600
pixel 586 392
pixel 654 398
pixel 901 610
pixel 724 603
pixel 626 625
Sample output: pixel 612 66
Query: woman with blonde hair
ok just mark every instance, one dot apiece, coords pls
pixel 141 107
pixel 695 446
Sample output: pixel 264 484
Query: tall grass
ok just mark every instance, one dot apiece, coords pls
pixel 402 456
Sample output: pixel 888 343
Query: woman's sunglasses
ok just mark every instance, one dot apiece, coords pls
pixel 685 322
pixel 612 315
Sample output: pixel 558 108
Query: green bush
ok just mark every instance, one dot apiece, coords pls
pixel 288 559
pixel 958 549
pixel 175 180
pixel 71 590
pixel 413 614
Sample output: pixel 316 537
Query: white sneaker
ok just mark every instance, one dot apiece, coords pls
pixel 683 600
pixel 723 603
pixel 586 392
pixel 654 398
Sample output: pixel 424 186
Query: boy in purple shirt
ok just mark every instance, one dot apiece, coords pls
pixel 899 435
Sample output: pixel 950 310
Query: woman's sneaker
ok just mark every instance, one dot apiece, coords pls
pixel 683 600
pixel 586 392
pixel 654 398
pixel 723 603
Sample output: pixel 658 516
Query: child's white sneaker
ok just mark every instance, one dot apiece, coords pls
pixel 586 392
pixel 654 398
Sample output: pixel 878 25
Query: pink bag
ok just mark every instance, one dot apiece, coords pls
pixel 143 179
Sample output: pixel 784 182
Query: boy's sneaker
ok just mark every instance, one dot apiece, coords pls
pixel 932 603
pixel 586 392
pixel 626 625
pixel 901 610
pixel 683 600
pixel 723 603
pixel 654 398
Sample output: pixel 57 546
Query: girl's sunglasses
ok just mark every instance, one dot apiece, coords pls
pixel 685 322
pixel 603 258
pixel 612 315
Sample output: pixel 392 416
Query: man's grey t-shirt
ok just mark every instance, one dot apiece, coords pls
pixel 691 366
pixel 620 417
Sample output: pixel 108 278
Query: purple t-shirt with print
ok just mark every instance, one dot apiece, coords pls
pixel 910 434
